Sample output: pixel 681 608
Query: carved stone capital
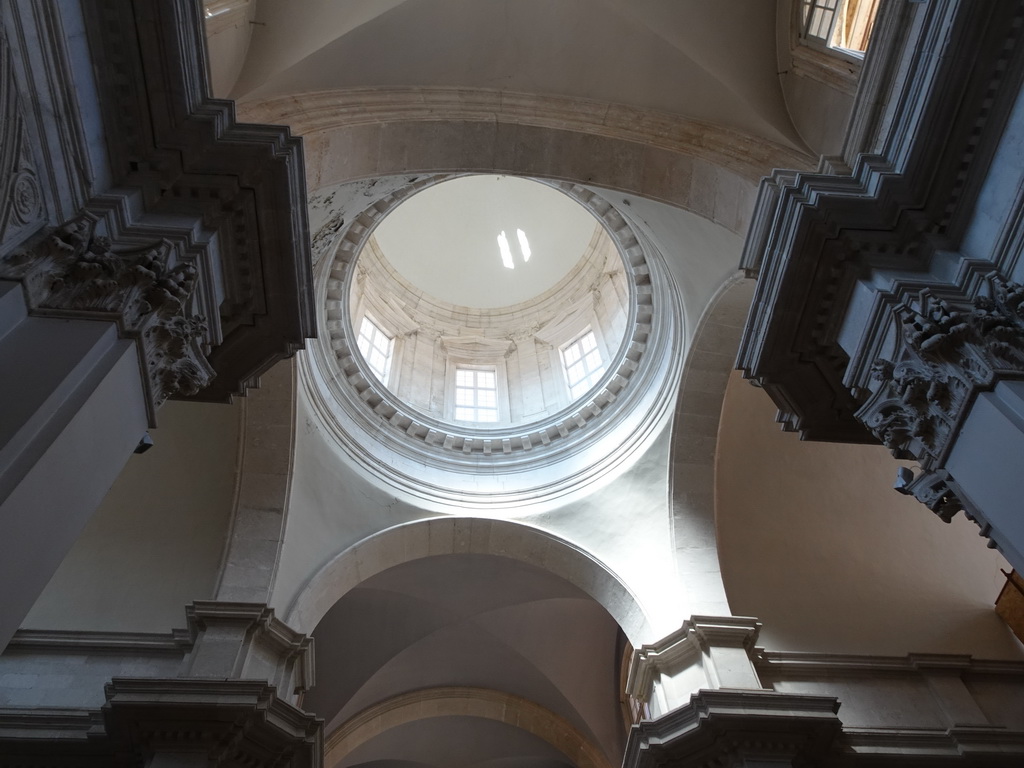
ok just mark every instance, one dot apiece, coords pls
pixel 946 354
pixel 527 335
pixel 75 272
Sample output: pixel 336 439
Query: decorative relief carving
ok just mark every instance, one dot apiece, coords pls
pixel 26 199
pixel 931 488
pixel 913 416
pixel 523 336
pixel 946 355
pixel 72 271
pixel 21 200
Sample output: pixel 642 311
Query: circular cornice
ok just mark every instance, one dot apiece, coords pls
pixel 492 468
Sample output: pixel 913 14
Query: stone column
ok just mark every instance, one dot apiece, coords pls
pixel 246 641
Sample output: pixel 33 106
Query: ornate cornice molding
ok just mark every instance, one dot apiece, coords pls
pixel 49 641
pixel 209 722
pixel 195 167
pixel 832 68
pixel 688 647
pixel 792 665
pixel 247 640
pixel 728 727
pixel 814 236
pixel 742 153
pixel 229 722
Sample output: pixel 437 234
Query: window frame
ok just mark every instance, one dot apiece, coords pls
pixel 601 352
pixel 367 317
pixel 455 362
pixel 805 16
pixel 476 368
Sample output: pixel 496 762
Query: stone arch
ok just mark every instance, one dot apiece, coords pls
pixel 710 361
pixel 468 535
pixel 463 701
pixel 708 169
pixel 265 463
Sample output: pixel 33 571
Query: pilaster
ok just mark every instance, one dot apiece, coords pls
pixel 703 703
pixel 705 652
pixel 247 641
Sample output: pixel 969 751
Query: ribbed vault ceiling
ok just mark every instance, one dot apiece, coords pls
pixel 476 622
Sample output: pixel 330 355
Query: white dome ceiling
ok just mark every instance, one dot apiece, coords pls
pixel 444 240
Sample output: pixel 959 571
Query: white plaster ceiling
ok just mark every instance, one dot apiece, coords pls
pixel 713 61
pixel 476 621
pixel 444 240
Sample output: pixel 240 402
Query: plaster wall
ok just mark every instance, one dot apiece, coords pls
pixel 331 507
pixel 155 543
pixel 227 43
pixel 815 543
pixel 626 524
pixel 819 111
